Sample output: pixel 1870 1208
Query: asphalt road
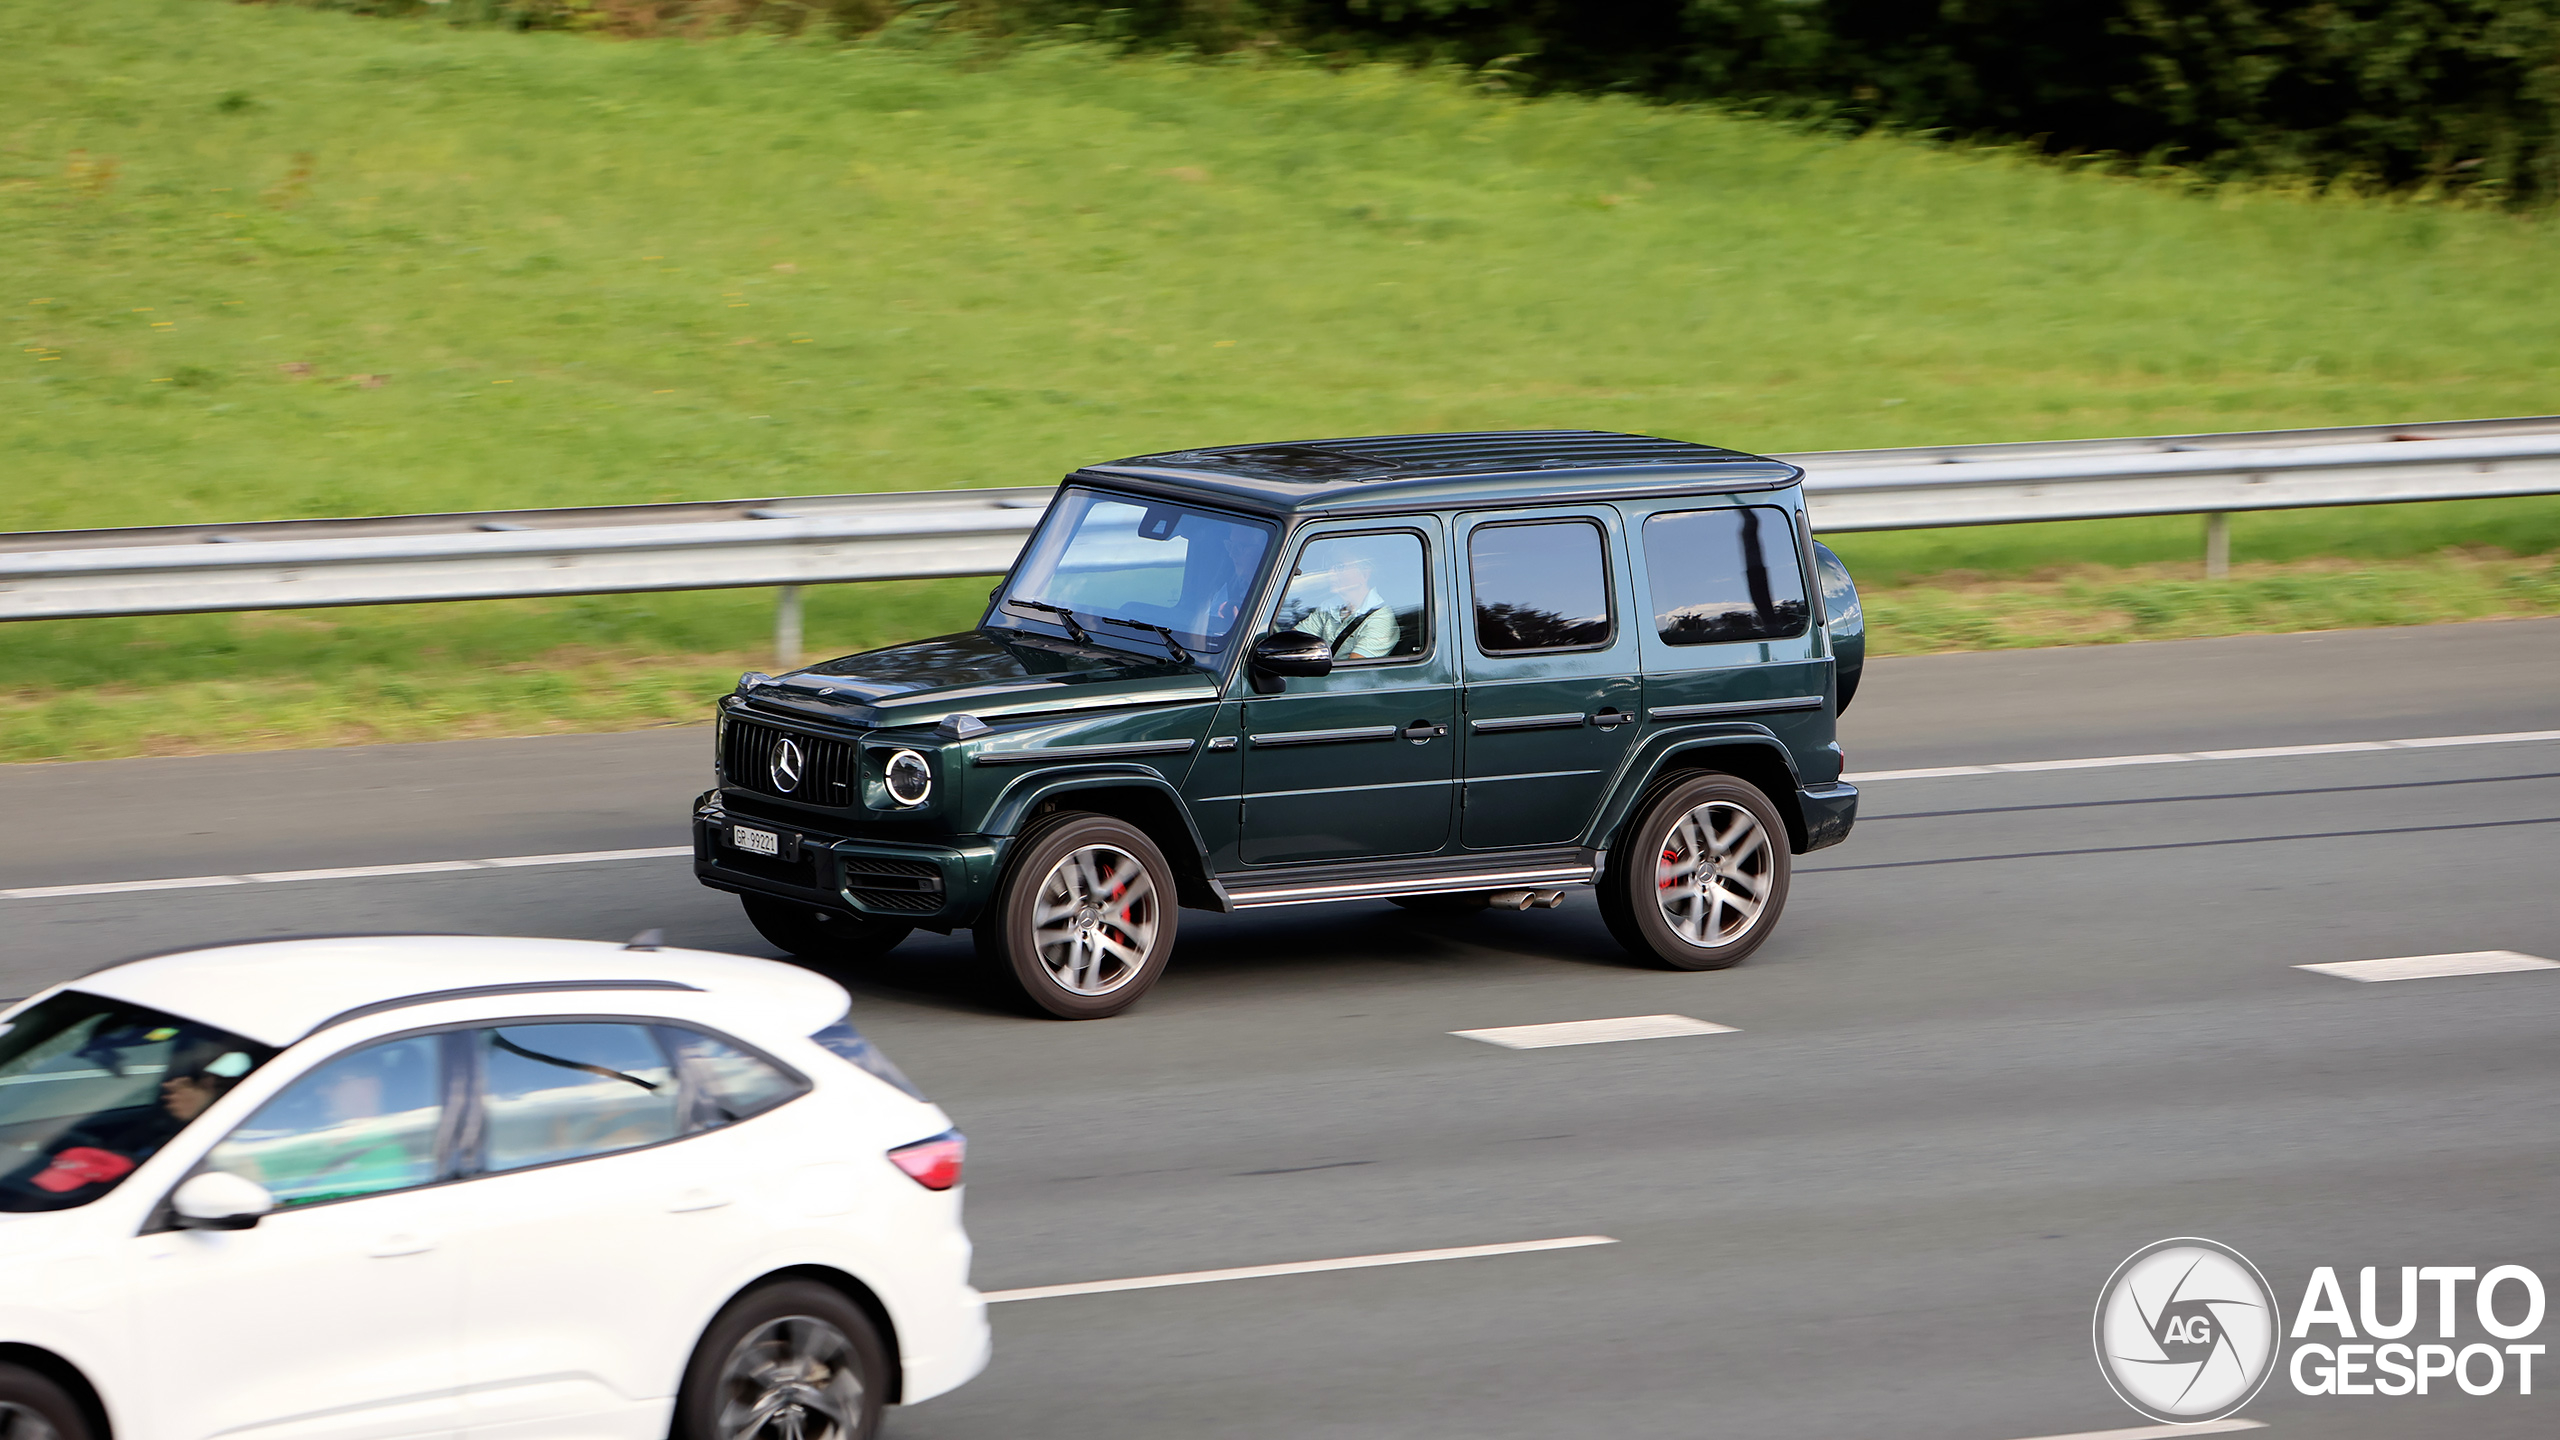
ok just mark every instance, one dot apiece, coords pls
pixel 2019 1026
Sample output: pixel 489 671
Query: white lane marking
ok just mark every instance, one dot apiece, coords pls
pixel 1593 1032
pixel 2428 967
pixel 2266 752
pixel 349 872
pixel 1294 1267
pixel 2161 1432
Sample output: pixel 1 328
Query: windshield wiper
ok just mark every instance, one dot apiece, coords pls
pixel 1179 654
pixel 1065 616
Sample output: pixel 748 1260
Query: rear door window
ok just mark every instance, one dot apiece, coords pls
pixel 569 1089
pixel 1540 586
pixel 1725 574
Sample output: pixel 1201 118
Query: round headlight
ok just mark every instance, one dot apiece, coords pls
pixel 908 778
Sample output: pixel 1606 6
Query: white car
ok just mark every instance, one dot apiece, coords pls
pixel 358 1188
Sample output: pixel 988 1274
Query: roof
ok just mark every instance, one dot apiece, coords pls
pixel 276 991
pixel 1370 472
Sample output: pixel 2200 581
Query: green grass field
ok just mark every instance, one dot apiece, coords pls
pixel 268 262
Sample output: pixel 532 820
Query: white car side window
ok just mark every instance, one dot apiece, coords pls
pixel 561 1091
pixel 361 1124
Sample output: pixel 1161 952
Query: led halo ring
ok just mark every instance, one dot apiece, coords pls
pixel 908 777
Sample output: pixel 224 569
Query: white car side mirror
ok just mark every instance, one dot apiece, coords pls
pixel 220 1200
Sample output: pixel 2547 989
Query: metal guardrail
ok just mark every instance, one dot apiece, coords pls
pixel 827 539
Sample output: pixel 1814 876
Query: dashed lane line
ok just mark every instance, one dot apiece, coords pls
pixel 2430 967
pixel 2161 1432
pixel 1293 1267
pixel 2264 752
pixel 1593 1032
pixel 345 872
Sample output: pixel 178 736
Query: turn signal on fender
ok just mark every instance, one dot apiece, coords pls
pixel 935 1163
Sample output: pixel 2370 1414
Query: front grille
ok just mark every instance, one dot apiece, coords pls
pixel 900 902
pixel 826 767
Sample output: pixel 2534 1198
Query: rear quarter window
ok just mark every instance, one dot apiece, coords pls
pixel 1725 574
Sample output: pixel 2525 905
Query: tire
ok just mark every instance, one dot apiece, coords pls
pixel 1649 899
pixel 823 937
pixel 796 1343
pixel 1084 922
pixel 33 1407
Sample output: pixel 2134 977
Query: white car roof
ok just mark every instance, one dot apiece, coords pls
pixel 277 991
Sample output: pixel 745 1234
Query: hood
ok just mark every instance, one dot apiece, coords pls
pixel 985 673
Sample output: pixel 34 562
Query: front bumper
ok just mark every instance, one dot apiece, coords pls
pixel 1829 811
pixel 935 886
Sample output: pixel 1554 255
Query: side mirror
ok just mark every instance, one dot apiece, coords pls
pixel 220 1200
pixel 1287 652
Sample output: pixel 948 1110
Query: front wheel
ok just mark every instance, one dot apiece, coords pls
pixel 1701 876
pixel 822 937
pixel 793 1361
pixel 1085 921
pixel 32 1407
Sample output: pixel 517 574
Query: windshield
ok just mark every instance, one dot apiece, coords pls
pixel 90 1088
pixel 1146 562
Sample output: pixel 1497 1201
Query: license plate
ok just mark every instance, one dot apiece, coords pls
pixel 755 842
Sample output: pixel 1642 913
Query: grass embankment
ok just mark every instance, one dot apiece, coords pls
pixel 269 262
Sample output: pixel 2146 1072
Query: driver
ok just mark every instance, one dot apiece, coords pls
pixel 105 1149
pixel 1353 616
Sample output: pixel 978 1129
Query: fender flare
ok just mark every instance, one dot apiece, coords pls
pixel 1657 754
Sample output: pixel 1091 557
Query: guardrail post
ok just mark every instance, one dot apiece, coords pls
pixel 786 627
pixel 2217 547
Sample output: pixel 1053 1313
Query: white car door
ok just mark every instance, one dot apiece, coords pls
pixel 337 1316
pixel 609 1213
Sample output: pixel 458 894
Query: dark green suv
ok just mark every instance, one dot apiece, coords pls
pixel 1442 670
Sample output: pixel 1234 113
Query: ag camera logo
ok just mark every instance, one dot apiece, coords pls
pixel 2186 1330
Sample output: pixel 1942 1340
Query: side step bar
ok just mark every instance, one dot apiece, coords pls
pixel 1444 882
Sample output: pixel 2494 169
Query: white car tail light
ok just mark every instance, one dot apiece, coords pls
pixel 935 1163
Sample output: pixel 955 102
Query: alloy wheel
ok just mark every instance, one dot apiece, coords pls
pixel 1095 920
pixel 796 1378
pixel 1713 876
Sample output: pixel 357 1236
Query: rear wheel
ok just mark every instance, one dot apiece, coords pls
pixel 1085 921
pixel 822 937
pixel 33 1407
pixel 792 1361
pixel 1701 877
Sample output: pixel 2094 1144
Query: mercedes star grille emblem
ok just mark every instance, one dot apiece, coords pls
pixel 785 765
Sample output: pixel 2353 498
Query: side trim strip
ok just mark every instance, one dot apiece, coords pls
pixel 1080 752
pixel 1326 737
pixel 1734 707
pixel 1569 721
pixel 1411 885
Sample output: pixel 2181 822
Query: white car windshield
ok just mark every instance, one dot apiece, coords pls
pixel 1121 567
pixel 90 1088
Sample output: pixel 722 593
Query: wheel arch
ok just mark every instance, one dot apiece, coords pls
pixel 1133 796
pixel 854 1291
pixel 1758 758
pixel 62 1372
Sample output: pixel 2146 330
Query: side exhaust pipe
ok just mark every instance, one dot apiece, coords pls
pixel 1525 899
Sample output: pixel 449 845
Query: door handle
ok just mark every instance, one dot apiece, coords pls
pixel 1612 717
pixel 697 1197
pixel 1421 730
pixel 391 1247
